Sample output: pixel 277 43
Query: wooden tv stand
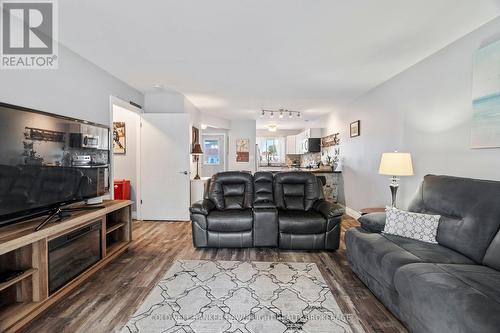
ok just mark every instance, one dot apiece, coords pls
pixel 21 248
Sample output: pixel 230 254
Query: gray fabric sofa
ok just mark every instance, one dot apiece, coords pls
pixel 287 210
pixel 452 286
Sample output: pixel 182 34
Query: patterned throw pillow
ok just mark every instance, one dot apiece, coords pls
pixel 422 227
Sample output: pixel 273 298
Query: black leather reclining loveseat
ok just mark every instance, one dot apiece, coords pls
pixel 287 210
pixel 449 287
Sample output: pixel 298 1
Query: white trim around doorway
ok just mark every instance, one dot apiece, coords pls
pixel 113 100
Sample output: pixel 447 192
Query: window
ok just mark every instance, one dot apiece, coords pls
pixel 211 152
pixel 272 150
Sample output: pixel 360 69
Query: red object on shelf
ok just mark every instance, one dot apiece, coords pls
pixel 122 189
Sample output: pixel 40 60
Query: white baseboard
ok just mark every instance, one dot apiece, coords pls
pixel 352 213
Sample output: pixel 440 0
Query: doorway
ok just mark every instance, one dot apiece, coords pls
pixel 126 156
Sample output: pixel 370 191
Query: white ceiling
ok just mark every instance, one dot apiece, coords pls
pixel 233 57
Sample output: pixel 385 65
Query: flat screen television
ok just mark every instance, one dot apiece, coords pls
pixel 48 161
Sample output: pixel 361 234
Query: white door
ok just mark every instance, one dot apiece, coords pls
pixel 165 165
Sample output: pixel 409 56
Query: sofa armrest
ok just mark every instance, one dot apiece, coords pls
pixel 202 207
pixel 373 222
pixel 265 204
pixel 328 209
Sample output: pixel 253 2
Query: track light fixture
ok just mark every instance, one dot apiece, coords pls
pixel 281 113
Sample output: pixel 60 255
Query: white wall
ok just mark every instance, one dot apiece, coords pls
pixel 168 101
pixel 425 110
pixel 77 89
pixel 241 129
pixel 164 101
pixel 125 165
pixel 213 121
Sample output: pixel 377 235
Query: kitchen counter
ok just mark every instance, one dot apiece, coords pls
pixel 334 186
pixel 285 168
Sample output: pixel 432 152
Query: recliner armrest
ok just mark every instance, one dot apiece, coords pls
pixel 202 207
pixel 328 209
pixel 264 204
pixel 373 222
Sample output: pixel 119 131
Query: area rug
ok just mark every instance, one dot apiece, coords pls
pixel 242 297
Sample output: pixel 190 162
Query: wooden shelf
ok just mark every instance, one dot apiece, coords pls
pixel 7 284
pixel 10 314
pixel 115 247
pixel 21 248
pixel 114 227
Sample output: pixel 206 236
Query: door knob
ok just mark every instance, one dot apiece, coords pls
pixel 184 172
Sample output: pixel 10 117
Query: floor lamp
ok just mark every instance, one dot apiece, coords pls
pixel 197 152
pixel 395 164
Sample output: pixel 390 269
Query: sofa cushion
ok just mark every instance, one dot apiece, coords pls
pixel 230 220
pixel 231 190
pixel 492 257
pixel 449 298
pixel 469 209
pixel 382 255
pixel 301 222
pixel 427 252
pixel 296 190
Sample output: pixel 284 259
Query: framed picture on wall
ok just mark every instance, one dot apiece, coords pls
pixel 355 129
pixel 119 138
pixel 195 138
pixel 243 150
pixel 485 128
pixel 195 135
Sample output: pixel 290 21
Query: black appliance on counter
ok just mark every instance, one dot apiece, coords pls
pixel 37 170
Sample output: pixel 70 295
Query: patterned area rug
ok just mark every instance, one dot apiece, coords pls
pixel 241 297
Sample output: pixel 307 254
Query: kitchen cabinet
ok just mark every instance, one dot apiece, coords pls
pixel 295 143
pixel 299 143
pixel 290 144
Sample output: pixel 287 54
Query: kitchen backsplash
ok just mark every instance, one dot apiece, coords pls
pixel 290 158
pixel 307 158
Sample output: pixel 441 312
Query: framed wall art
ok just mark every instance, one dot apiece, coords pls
pixel 243 150
pixel 119 138
pixel 355 129
pixel 485 128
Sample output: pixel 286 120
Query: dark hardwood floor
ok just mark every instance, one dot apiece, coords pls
pixel 106 301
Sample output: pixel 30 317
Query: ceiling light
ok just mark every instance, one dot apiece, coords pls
pixel 298 114
pixel 290 114
pixel 272 128
pixel 262 114
pixel 272 114
pixel 281 113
